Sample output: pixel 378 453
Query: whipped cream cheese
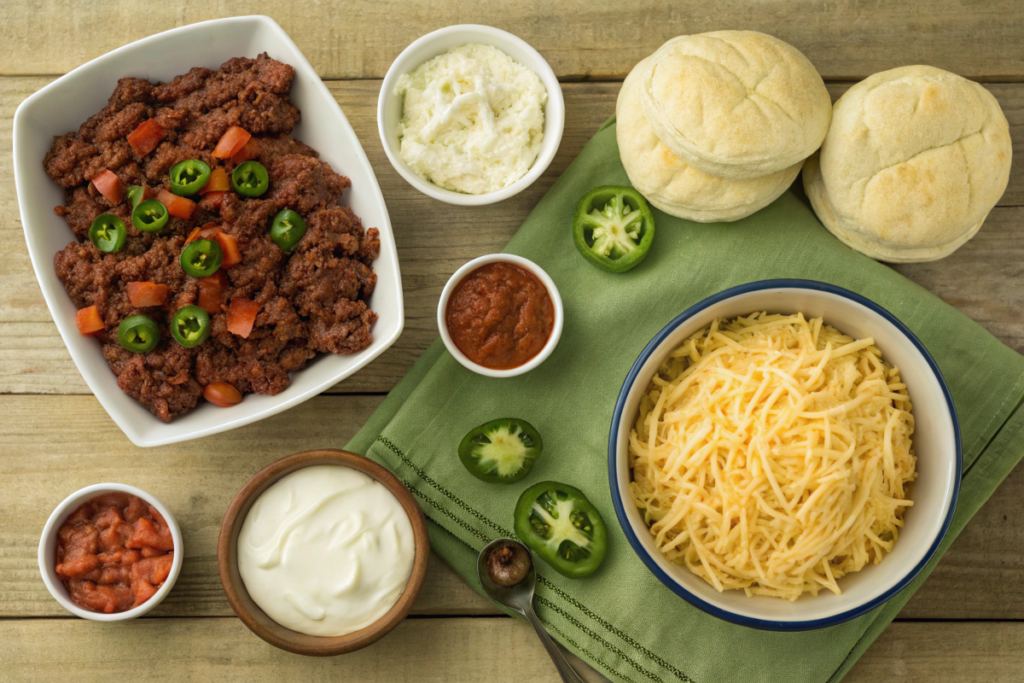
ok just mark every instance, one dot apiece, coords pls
pixel 326 550
pixel 472 119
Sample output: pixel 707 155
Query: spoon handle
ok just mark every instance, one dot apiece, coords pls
pixel 568 674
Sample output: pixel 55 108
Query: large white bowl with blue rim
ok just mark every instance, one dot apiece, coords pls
pixel 936 445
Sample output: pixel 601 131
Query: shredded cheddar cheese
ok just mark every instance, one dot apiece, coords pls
pixel 772 454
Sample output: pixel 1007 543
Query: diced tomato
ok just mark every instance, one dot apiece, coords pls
pixel 77 565
pixel 212 201
pixel 146 137
pixel 242 316
pixel 222 394
pixel 231 143
pixel 211 292
pixel 89 320
pixel 219 181
pixel 154 569
pixel 176 206
pixel 137 508
pixel 229 247
pixel 102 598
pixel 146 533
pixel 207 232
pixel 250 151
pixel 143 590
pixel 110 186
pixel 146 294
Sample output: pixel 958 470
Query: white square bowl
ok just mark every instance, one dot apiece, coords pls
pixel 66 103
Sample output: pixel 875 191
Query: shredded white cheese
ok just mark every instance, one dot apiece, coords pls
pixel 472 119
pixel 772 454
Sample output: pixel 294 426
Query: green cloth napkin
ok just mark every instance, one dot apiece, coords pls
pixel 621 619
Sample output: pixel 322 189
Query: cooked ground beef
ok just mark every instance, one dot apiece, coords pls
pixel 311 299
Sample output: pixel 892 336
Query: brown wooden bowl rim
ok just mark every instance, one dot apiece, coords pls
pixel 254 617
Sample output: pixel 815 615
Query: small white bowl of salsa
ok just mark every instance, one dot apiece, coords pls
pixel 149 521
pixel 500 315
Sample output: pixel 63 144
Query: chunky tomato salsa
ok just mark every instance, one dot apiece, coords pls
pixel 500 316
pixel 114 552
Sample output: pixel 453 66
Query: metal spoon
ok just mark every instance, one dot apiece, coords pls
pixel 519 598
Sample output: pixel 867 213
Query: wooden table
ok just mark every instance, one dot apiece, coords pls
pixel 966 624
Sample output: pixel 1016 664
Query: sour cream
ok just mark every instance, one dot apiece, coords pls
pixel 326 550
pixel 472 119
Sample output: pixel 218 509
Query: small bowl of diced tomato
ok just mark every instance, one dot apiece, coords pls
pixel 110 552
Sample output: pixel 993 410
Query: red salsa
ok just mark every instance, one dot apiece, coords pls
pixel 114 552
pixel 500 316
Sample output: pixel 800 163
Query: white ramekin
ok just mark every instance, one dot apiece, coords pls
pixel 389 105
pixel 48 552
pixel 549 284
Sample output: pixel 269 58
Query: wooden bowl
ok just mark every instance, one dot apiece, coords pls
pixel 255 618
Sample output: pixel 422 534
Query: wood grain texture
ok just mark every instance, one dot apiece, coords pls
pixel 981 577
pixel 44 463
pixel 360 38
pixel 56 444
pixel 497 650
pixel 944 651
pixel 434 240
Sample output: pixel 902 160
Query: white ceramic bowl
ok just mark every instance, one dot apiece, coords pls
pixel 389 105
pixel 66 103
pixel 48 552
pixel 936 444
pixel 549 284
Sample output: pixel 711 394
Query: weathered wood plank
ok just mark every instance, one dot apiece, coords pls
pixel 950 651
pixel 587 106
pixel 196 480
pixel 13 91
pixel 433 240
pixel 496 649
pixel 980 279
pixel 981 577
pixel 360 38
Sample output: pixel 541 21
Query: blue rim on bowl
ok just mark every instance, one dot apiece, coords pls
pixel 648 559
